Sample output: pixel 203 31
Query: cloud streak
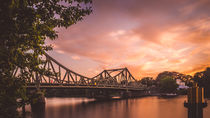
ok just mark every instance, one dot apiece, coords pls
pixel 146 36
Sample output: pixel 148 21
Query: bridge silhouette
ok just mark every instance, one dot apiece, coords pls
pixel 109 82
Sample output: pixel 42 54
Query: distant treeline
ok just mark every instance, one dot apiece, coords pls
pixel 202 78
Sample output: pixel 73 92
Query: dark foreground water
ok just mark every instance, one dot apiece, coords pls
pixel 147 107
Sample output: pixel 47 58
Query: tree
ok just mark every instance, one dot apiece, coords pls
pixel 25 25
pixel 147 81
pixel 168 85
pixel 175 75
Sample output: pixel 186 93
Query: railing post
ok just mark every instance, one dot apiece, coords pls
pixel 195 102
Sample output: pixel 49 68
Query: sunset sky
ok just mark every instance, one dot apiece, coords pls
pixel 146 36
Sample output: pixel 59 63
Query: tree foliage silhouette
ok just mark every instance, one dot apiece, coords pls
pixel 168 85
pixel 148 81
pixel 24 26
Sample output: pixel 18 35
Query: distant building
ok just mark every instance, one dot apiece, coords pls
pixel 181 84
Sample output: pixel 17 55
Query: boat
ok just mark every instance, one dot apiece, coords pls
pixel 168 95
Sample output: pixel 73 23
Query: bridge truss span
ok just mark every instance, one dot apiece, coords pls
pixel 62 76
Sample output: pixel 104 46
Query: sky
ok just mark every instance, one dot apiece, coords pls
pixel 146 36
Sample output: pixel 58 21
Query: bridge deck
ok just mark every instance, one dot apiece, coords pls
pixel 86 87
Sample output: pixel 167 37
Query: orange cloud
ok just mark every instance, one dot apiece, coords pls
pixel 146 36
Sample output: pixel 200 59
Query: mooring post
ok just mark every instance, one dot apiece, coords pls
pixel 195 102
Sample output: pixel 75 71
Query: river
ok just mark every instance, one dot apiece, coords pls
pixel 146 107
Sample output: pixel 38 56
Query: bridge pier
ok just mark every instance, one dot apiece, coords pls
pixel 38 104
pixel 37 100
pixel 127 94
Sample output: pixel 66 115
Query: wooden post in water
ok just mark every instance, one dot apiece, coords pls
pixel 195 102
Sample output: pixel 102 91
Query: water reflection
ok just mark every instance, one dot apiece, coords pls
pixel 148 107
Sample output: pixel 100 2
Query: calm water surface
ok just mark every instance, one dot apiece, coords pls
pixel 148 107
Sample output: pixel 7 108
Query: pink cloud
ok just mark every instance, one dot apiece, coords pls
pixel 146 36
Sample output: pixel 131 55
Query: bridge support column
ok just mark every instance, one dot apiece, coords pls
pixel 126 94
pixel 38 105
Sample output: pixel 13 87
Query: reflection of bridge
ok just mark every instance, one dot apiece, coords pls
pixel 117 80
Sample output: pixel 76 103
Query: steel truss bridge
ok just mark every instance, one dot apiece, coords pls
pixel 63 77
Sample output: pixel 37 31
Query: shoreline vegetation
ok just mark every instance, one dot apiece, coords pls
pixel 175 82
